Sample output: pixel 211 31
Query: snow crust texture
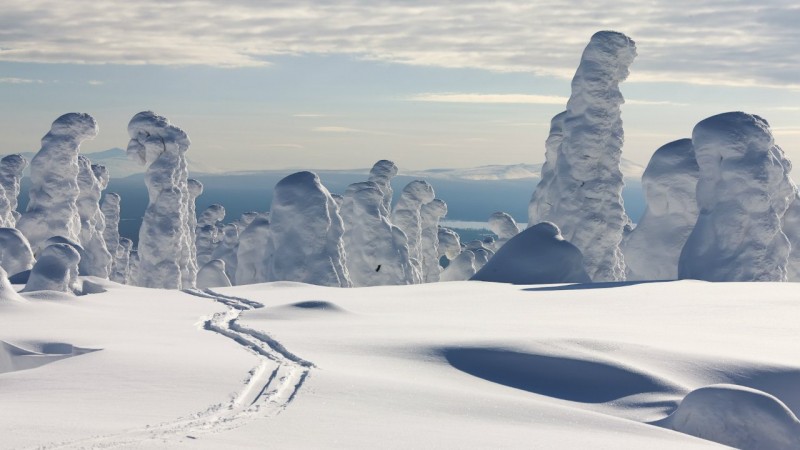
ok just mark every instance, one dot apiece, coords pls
pixel 377 251
pixel 743 192
pixel 166 251
pixel 11 168
pixel 52 209
pixel 15 252
pixel 652 249
pixel 538 255
pixel 581 185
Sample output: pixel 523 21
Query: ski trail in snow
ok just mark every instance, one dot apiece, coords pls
pixel 269 388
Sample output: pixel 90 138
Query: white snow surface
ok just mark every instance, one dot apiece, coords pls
pixel 445 365
pixel 305 234
pixel 743 192
pixel 581 185
pixel 11 168
pixel 538 255
pixel 52 209
pixel 165 245
pixel 377 251
pixel 15 252
pixel 652 249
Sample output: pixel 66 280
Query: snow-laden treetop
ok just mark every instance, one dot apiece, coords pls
pixel 148 127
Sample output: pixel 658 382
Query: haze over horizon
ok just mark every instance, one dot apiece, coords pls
pixel 427 84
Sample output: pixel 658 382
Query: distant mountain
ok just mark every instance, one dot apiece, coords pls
pixel 629 169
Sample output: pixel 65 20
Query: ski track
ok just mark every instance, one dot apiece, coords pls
pixel 269 388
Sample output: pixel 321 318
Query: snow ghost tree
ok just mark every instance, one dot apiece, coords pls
pixel 7 218
pixel 481 251
pixel 743 193
pixel 110 207
pixel 305 237
pixel 207 232
pixel 227 250
pixel 212 274
pixel 538 255
pixel 377 251
pixel 189 272
pixel 652 249
pixel 504 226
pixel 381 174
pixel 52 209
pixel 791 227
pixel 406 216
pixel 121 267
pixel 252 255
pixel 461 268
pixel 449 243
pixel 11 168
pixel 56 269
pixel 15 252
pixel 581 185
pixel 430 214
pixel 92 179
pixel 165 250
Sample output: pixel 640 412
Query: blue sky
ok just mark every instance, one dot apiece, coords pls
pixel 322 84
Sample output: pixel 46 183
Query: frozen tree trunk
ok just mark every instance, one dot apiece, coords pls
pixel 15 252
pixel 743 192
pixel 252 255
pixel 207 232
pixel 52 208
pixel 165 242
pixel 92 179
pixel 55 270
pixel 377 251
pixel 430 215
pixel 652 249
pixel 406 216
pixel 11 168
pixel 581 186
pixel 305 238
pixel 381 174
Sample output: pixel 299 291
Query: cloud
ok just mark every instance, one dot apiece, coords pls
pixel 95 82
pixel 713 42
pixel 309 116
pixel 522 99
pixel 332 129
pixel 12 80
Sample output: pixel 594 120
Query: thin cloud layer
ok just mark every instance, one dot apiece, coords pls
pixel 720 42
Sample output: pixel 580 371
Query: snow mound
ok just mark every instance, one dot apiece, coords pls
pixel 52 209
pixel 581 185
pixel 743 193
pixel 56 269
pixel 7 292
pixel 737 416
pixel 538 255
pixel 15 253
pixel 305 234
pixel 652 249
pixel 14 358
pixel 212 274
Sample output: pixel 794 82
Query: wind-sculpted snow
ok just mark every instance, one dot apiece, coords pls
pixel 382 173
pixel 15 252
pixel 449 243
pixel 7 292
pixel 227 250
pixel 165 241
pixel 462 267
pixel 736 416
pixel 121 270
pixel 430 215
pixel 743 193
pixel 52 209
pixel 538 255
pixel 406 216
pixel 56 269
pixel 207 232
pixel 92 180
pixel 252 255
pixel 377 251
pixel 212 274
pixel 791 227
pixel 11 168
pixel 305 238
pixel 504 226
pixel 581 185
pixel 110 207
pixel 652 249
pixel 481 251
pixel 195 189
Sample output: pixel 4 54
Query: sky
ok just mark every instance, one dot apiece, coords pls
pixel 261 84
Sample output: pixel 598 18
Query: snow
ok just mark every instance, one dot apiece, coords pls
pixel 11 168
pixel 15 252
pixel 581 186
pixel 212 274
pixel 381 174
pixel 449 243
pixel 7 293
pixel 377 251
pixel 56 269
pixel 406 216
pixel 743 192
pixel 92 180
pixel 252 255
pixel 461 268
pixel 207 232
pixel 227 250
pixel 52 208
pixel 111 208
pixel 538 255
pixel 121 270
pixel 305 234
pixel 791 227
pixel 430 214
pixel 652 249
pixel 504 226
pixel 165 250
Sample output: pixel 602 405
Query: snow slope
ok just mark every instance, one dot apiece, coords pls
pixel 447 365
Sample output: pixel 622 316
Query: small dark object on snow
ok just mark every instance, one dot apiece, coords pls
pixel 378 269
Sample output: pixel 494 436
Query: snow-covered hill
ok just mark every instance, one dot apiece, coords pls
pixel 445 365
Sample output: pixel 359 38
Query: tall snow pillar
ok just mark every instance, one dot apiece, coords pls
pixel 52 208
pixel 381 174
pixel 164 249
pixel 430 214
pixel 11 168
pixel 92 179
pixel 581 186
pixel 743 193
pixel 406 216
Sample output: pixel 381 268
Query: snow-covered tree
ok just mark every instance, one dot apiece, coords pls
pixel 15 252
pixel 430 215
pixel 56 269
pixel 406 216
pixel 11 168
pixel 92 180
